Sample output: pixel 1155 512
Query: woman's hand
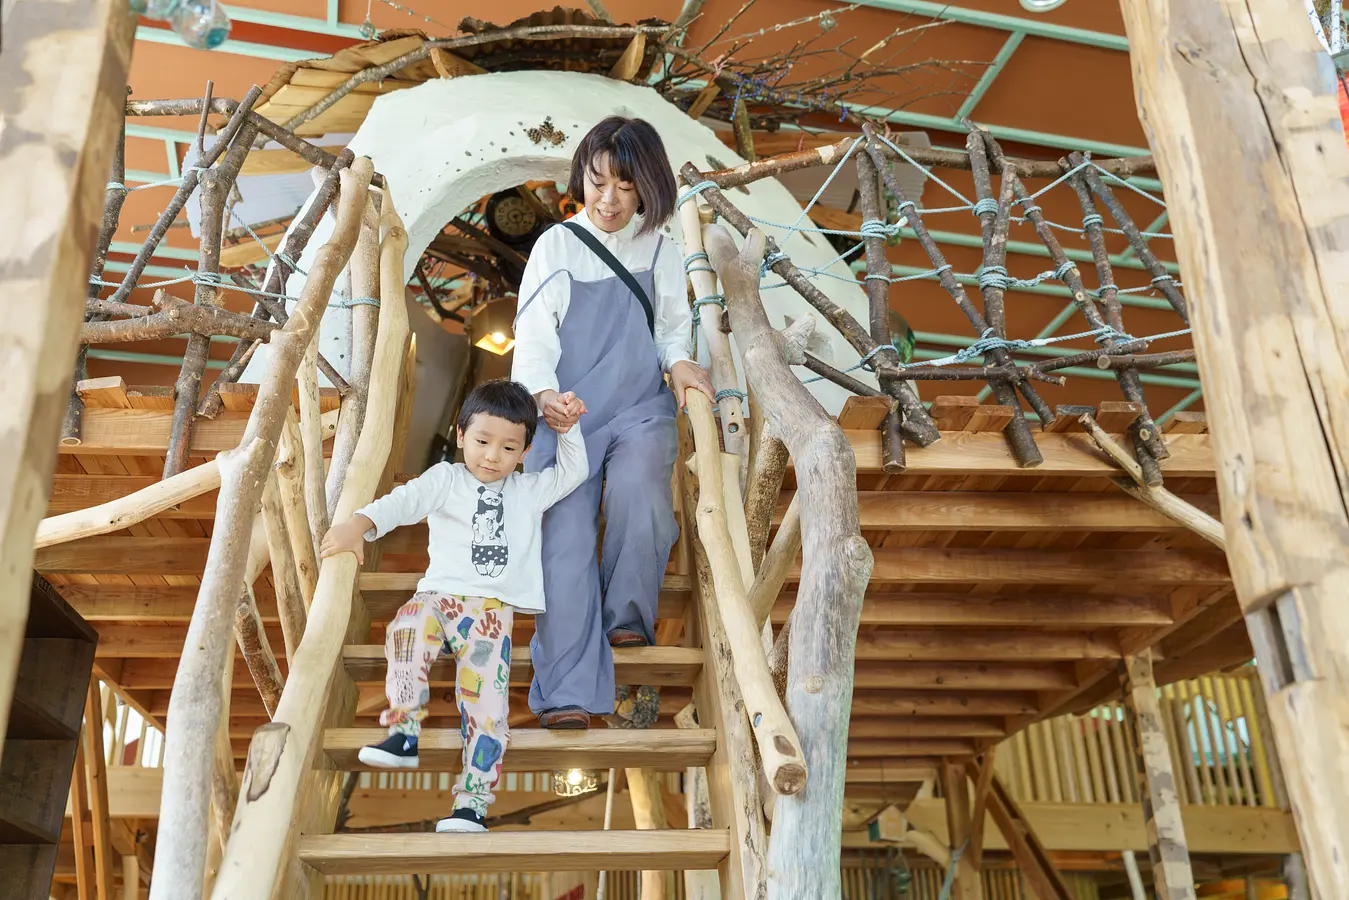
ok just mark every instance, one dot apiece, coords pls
pixel 348 537
pixel 561 411
pixel 685 375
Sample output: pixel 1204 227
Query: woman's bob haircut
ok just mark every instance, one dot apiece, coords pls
pixel 636 154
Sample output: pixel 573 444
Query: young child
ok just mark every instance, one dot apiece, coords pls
pixel 582 328
pixel 484 520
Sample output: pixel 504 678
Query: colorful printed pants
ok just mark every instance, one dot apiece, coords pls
pixel 477 630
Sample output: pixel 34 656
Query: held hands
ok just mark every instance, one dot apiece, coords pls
pixel 685 375
pixel 561 411
pixel 348 537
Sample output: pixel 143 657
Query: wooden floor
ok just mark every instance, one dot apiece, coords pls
pixel 999 595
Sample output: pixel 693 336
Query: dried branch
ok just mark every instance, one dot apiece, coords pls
pixel 175 317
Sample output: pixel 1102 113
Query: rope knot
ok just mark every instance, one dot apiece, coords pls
pixel 694 191
pixel 986 205
pixel 1093 219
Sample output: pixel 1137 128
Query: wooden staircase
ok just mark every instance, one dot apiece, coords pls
pixel 529 749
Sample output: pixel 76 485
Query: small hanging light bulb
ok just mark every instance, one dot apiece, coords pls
pixel 1040 6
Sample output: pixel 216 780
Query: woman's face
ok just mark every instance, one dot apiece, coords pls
pixel 610 203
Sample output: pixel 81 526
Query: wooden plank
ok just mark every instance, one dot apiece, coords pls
pixel 104 393
pixel 249 251
pixel 989 610
pixel 638 665
pixel 116 555
pixel 145 432
pixel 1173 877
pixel 1010 511
pixel 953 413
pixel 915 727
pixel 64 69
pixel 384 592
pixel 1010 676
pixel 1115 416
pixel 1186 422
pixel 75 492
pixel 952 644
pixel 941 703
pixel 955 789
pixel 440 750
pixel 935 565
pixel 989 418
pixel 861 413
pixel 905 746
pixel 96 763
pixel 514 851
pixel 241 396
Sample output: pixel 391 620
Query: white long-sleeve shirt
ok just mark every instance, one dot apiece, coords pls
pixel 484 538
pixel 545 295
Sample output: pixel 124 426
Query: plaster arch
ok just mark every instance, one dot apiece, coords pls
pixel 444 144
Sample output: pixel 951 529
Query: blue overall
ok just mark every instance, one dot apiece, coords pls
pixel 609 359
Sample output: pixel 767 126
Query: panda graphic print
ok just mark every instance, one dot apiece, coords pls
pixel 489 548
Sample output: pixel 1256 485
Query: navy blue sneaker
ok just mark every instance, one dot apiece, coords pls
pixel 463 821
pixel 397 751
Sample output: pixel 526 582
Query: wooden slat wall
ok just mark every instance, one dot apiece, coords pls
pixel 1212 726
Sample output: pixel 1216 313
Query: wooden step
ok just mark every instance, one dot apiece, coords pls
pixel 638 665
pixel 384 592
pixel 531 749
pixel 514 851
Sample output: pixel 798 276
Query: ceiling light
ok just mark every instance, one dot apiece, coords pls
pixel 491 325
pixel 1041 6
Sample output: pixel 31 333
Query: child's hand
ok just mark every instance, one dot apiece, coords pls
pixel 348 537
pixel 561 411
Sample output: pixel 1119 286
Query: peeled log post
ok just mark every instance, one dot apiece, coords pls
pixel 648 812
pixel 194 706
pixel 248 630
pixel 290 468
pixel 290 605
pixel 1266 298
pixel 779 747
pixel 281 752
pixel 763 482
pixel 805 846
pixel 709 315
pixel 777 563
pixel 311 446
pixel 364 269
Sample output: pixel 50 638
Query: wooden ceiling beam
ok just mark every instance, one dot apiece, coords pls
pixel 940 644
pixel 997 676
pixel 937 565
pixel 899 703
pixel 988 610
pixel 145 432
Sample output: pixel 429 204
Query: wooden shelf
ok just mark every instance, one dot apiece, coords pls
pixel 514 851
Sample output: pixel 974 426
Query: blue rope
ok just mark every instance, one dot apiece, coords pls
pixel 986 205
pixel 694 191
pixel 118 186
pixel 730 392
pixel 1091 219
pixel 697 257
pixel 342 303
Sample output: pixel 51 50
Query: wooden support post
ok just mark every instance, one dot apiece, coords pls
pixel 1037 870
pixel 1172 876
pixel 648 811
pixel 699 884
pixel 1266 298
pixel 732 785
pixel 968 885
pixel 80 824
pixel 805 851
pixel 982 782
pixel 97 770
pixel 281 754
pixel 71 57
pixel 131 878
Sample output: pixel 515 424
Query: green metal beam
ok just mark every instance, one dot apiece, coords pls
pixel 238 48
pixel 1050 290
pixel 153 359
pixel 136 130
pixel 151 271
pixel 1027 248
pixel 1122 258
pixel 1190 400
pixel 1037 27
pixel 163 251
pixel 171 153
pixel 329 26
pixel 991 73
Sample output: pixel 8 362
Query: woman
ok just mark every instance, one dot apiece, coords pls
pixel 603 316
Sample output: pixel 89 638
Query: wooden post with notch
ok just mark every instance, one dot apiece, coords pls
pixel 71 57
pixel 1266 296
pixel 955 788
pixel 1172 876
pixel 1037 869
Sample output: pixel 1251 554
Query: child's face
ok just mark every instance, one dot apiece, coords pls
pixel 492 447
pixel 610 203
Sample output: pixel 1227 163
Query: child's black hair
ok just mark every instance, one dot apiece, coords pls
pixel 636 154
pixel 509 400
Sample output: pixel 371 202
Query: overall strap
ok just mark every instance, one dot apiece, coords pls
pixel 618 268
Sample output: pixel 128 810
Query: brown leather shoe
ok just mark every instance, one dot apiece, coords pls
pixel 626 637
pixel 565 718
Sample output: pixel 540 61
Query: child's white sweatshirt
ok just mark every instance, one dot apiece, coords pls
pixel 484 538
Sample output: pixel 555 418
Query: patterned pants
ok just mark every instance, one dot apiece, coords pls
pixel 477 630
